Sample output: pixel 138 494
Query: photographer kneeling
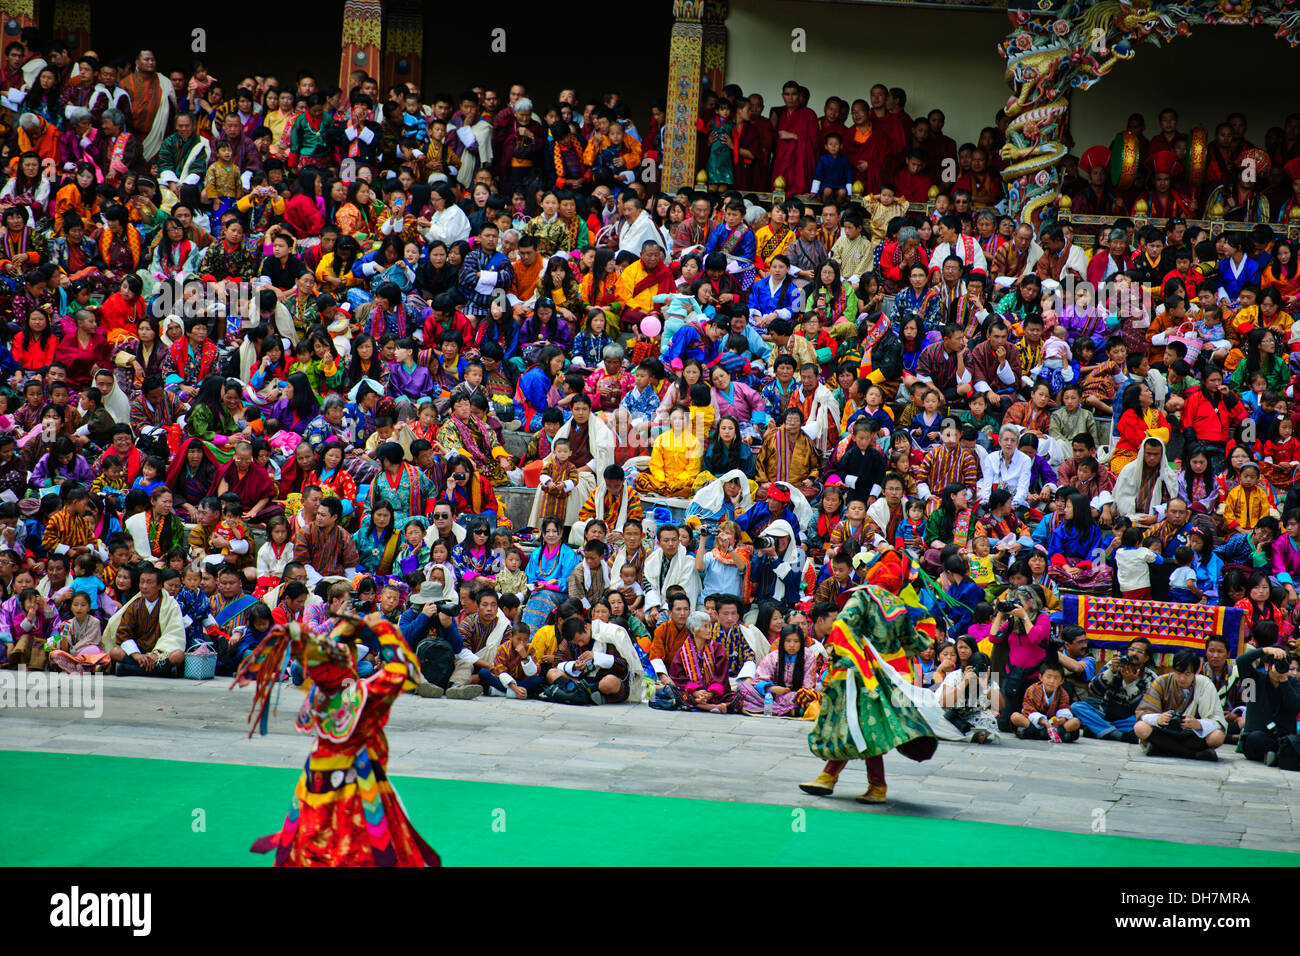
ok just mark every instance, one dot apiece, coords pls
pixel 1180 714
pixel 1021 624
pixel 1269 732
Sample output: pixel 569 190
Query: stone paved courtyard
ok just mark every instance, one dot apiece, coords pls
pixel 1091 786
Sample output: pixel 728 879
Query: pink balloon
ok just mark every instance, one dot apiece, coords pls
pixel 650 326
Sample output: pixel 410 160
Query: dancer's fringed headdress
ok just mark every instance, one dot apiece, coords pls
pixel 327 660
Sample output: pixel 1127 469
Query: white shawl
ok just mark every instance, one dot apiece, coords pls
pixel 489 652
pixel 172 627
pixel 118 405
pixel 482 131
pixel 607 634
pixel 1129 483
pixel 681 572
pixel 711 497
pixel 823 416
pixel 633 235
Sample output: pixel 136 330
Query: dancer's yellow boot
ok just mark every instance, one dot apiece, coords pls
pixel 824 785
pixel 875 794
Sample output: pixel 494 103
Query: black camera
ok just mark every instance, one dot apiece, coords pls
pixel 449 608
pixel 1006 607
pixel 460 476
pixel 1125 660
pixel 763 542
pixel 1281 665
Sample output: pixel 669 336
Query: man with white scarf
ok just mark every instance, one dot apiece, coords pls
pixel 821 411
pixel 115 401
pixel 153 103
pixel 666 566
pixel 1163 484
pixel 600 449
pixel 637 228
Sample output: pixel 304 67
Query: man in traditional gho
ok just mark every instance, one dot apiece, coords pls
pixel 868 708
pixel 344 810
pixel 153 103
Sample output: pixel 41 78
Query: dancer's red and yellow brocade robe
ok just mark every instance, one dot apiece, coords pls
pixel 344 811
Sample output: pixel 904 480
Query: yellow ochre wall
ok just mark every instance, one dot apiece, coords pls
pixel 949 59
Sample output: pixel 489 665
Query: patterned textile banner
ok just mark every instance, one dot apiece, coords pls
pixel 1112 622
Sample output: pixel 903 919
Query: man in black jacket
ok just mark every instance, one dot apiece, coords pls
pixel 1272 698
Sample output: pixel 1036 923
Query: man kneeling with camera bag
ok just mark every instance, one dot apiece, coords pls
pixel 1180 714
pixel 1273 701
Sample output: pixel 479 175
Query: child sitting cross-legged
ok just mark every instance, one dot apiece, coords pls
pixel 1045 713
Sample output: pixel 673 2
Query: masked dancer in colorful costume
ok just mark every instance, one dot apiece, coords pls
pixel 344 810
pixel 871 704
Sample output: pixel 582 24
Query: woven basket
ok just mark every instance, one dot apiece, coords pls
pixel 201 666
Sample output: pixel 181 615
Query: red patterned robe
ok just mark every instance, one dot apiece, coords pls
pixel 344 810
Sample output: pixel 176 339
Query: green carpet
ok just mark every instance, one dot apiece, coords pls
pixel 169 813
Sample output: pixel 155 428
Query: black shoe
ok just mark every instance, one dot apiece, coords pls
pixel 1069 736
pixel 1111 735
pixel 1022 733
pixel 1129 737
pixel 1153 750
pixel 1207 754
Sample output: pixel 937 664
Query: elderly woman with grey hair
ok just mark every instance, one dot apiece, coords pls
pixel 607 385
pixel 121 147
pixel 328 425
pixel 700 670
pixel 81 142
pixel 1117 257
pixel 898 257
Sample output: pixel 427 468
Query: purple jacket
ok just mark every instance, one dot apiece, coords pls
pixel 530 332
pixel 1286 560
pixel 745 404
pixel 79 472
pixel 416 383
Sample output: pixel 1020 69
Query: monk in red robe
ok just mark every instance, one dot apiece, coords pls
pixel 249 480
pixel 832 121
pixel 867 148
pixel 797 137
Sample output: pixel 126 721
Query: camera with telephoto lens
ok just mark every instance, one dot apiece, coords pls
pixel 763 542
pixel 1006 607
pixel 449 608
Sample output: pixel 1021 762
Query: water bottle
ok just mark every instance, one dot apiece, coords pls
pixel 767 704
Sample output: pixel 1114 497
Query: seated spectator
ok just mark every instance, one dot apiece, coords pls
pixel 1180 714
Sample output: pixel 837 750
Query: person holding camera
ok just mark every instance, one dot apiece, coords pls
pixel 1273 695
pixel 1180 714
pixel 1109 711
pixel 429 625
pixel 777 565
pixel 1019 622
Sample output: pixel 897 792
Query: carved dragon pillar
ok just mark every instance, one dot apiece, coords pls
pixel 1051 53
